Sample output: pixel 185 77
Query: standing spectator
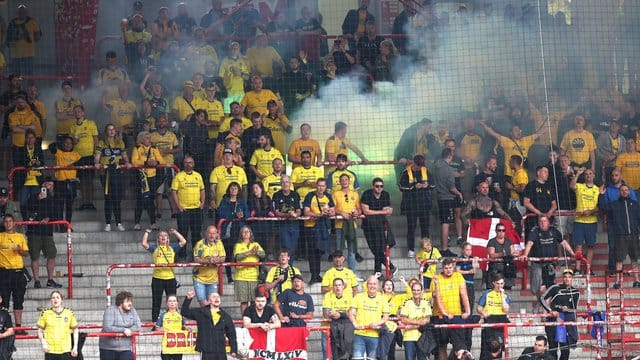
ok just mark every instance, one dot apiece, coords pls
pixel 260 314
pixel 148 181
pixel 539 197
pixel 187 192
pixel 233 208
pixel 368 310
pixel 414 313
pixel 22 120
pixel 467 267
pixel 23 33
pixel 213 106
pixel 416 200
pixel 155 95
pixel 260 205
pixel 304 143
pixel 251 136
pixel 308 28
pixel 64 111
pixel 448 197
pixel 417 139
pixel 585 227
pixel 451 305
pixel 186 24
pixel 38 109
pixel 246 279
pixel 215 326
pixel 8 207
pixel 256 100
pixel 458 166
pixel 542 242
pixel 273 183
pixel 110 155
pixel 280 278
pixel 210 252
pixel 538 351
pixel 119 318
pixel 66 182
pixel 625 213
pixel 561 303
pixel 353 25
pixel 482 206
pixel 493 307
pixel 318 207
pixel 304 177
pixel 164 29
pixel 338 143
pixel 276 121
pixel 612 193
pixel 515 143
pixel 628 163
pixel 335 307
pixel 85 140
pixel 222 176
pixel 122 112
pixel 286 204
pixel 376 206
pixel 281 34
pixel 29 155
pixel 43 207
pixel 183 108
pixel 501 247
pixel 163 279
pixel 234 70
pixel 368 46
pixel 516 185
pixel 167 144
pixel 560 175
pixel 196 139
pixel 261 159
pixel 13 283
pixel 402 26
pixel 338 270
pixel 294 306
pixel 491 177
pixel 608 148
pixel 580 145
pixel 384 68
pixel 246 22
pixel 110 76
pixel 54 326
pixel 7 334
pixel 333 178
pixel 344 58
pixel 172 321
pixel 347 203
pixel 216 23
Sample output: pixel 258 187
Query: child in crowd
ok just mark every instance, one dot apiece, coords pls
pixel 427 252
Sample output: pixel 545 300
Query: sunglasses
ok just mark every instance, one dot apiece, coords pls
pixel 501 230
pixel 378 186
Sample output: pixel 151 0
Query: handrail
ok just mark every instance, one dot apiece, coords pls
pixel 69 248
pixel 83 167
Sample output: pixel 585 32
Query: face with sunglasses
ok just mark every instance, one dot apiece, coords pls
pixel 500 232
pixel 378 188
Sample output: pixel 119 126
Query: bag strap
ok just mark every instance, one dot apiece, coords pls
pixel 519 148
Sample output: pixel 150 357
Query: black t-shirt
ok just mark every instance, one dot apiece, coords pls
pixel 558 180
pixel 457 164
pixel 540 195
pixel 285 203
pixel 495 179
pixel 544 242
pixel 369 198
pixel 292 302
pixel 252 314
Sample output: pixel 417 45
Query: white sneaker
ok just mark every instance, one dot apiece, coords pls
pixel 136 227
pixel 411 254
pixel 359 279
pixel 120 227
pixel 107 228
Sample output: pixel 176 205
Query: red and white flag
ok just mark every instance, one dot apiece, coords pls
pixel 481 230
pixel 283 343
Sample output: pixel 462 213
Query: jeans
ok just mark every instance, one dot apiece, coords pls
pixel 351 249
pixel 611 239
pixel 323 344
pixel 289 234
pixel 364 345
pixel 412 352
pixel 115 355
pixel 204 290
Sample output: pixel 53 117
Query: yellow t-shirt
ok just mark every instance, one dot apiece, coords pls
pixel 122 113
pixel 434 254
pixel 331 302
pixel 188 187
pixel 630 165
pixel 491 302
pixel 586 199
pixel 263 160
pixel 226 124
pixel 315 204
pixel 278 131
pixel 9 259
pixel 345 274
pixel 345 203
pixel 183 108
pixel 520 177
pixel 66 106
pixel 369 310
pixel 300 175
pixel 578 145
pixel 25 47
pixel 85 133
pixel 131 37
pixel 23 118
pixel 57 329
pixel 272 184
pixel 449 292
pixel 299 145
pixel 167 141
pixel 222 178
pixel 262 59
pixel 510 149
pixel 410 310
pixel 214 113
pixel 234 83
pixel 333 179
pixel 336 147
pixel 274 273
pixel 163 255
pixel 111 152
pixel 170 321
pixel 145 153
pixel 202 249
pixel 247 273
pixel 66 158
pixel 202 54
pixel 257 101
pixel 470 146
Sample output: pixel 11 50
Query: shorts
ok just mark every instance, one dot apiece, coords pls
pixel 204 290
pixel 164 188
pixel 565 224
pixel 626 245
pixel 446 211
pixel 541 274
pixel 41 243
pixel 13 286
pixel 85 161
pixel 584 234
pixel 244 291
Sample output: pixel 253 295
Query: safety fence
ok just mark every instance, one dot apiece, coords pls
pixel 622 306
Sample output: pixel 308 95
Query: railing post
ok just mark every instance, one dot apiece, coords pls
pixel 69 261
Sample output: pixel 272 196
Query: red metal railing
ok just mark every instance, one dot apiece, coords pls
pixel 69 248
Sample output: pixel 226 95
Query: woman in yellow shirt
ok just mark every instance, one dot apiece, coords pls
pixel 29 155
pixel 146 155
pixel 170 321
pixel 246 279
pixel 54 326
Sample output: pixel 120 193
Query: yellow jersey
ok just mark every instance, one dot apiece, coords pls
pixel 182 107
pixel 163 254
pixel 434 254
pixel 188 187
pixel 9 258
pixel 630 166
pixel 491 302
pixel 335 146
pixel 214 111
pixel 263 159
pixel 234 82
pixel 299 145
pixel 25 117
pixel 142 153
pixel 166 141
pixel 84 133
pixel 226 124
pixel 448 288
pixel 345 203
pixel 25 46
pixel 223 176
pixel 409 309
pixel 520 177
pixel 63 126
pixel 470 146
pixel 578 145
pixel 66 158
pixel 278 127
pixel 257 101
pixel 123 113
pixel 170 321
pixel 57 329
pixel 369 310
pixel 518 147
pixel 262 59
pixel 345 274
pixel 247 273
pixel 301 174
pixel 202 249
pixel 586 199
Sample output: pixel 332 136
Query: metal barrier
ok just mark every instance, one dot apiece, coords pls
pixel 69 248
pixel 86 167
pixel 532 215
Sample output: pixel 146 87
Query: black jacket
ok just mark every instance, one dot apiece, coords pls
pixel 625 213
pixel 211 338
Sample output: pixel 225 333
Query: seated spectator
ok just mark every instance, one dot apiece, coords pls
pixel 383 68
pixel 260 314
pixel 233 208
pixel 147 182
pixel 246 278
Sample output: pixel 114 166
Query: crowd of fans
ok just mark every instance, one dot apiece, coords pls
pixel 190 100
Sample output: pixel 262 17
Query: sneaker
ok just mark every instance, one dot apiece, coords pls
pixel 411 254
pixel 107 228
pixel 616 285
pixel 52 284
pixel 120 227
pixel 359 258
pixel 636 284
pixel 448 253
pixel 359 279
pixel 459 241
pixel 158 215
pixel 154 227
pixel 37 285
pixel 314 280
pixel 136 227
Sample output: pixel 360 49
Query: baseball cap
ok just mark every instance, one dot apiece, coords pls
pixel 188 83
pixel 4 192
pixel 337 253
pixel 227 151
pixel 297 276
